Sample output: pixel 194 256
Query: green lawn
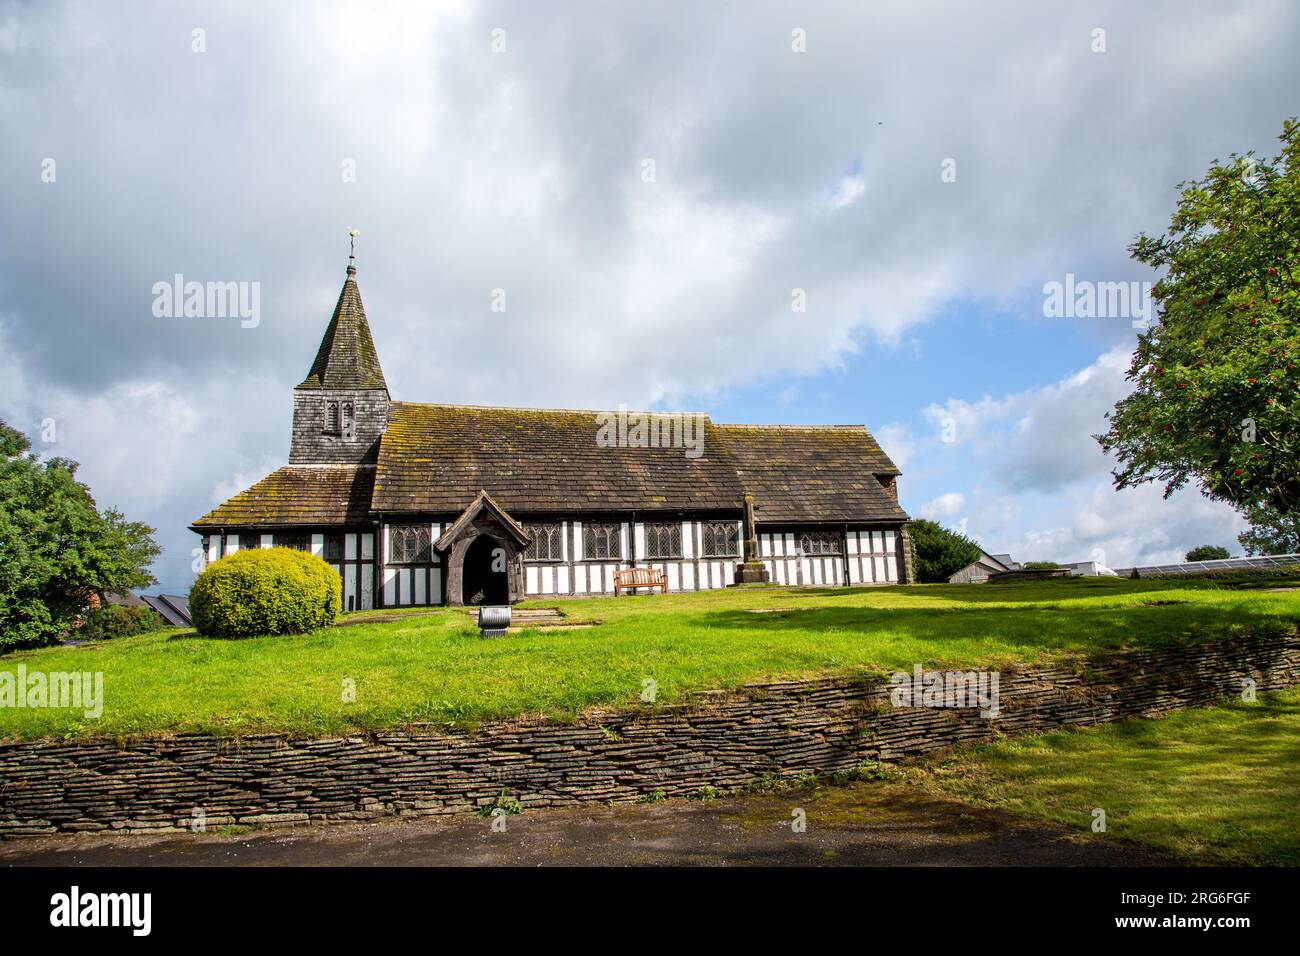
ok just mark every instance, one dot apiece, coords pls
pixel 1217 785
pixel 434 667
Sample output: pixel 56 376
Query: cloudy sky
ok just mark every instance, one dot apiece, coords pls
pixel 648 186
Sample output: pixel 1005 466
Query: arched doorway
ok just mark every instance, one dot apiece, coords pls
pixel 484 555
pixel 484 572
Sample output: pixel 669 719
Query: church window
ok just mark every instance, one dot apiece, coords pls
pixel 663 539
pixel 332 418
pixel 545 545
pixel 410 544
pixel 601 540
pixel 820 542
pixel 721 539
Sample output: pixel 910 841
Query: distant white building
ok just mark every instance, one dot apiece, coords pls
pixel 978 571
pixel 1090 569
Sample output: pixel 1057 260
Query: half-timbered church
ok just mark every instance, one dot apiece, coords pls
pixel 456 504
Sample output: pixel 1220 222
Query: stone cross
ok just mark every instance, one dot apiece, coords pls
pixel 750 570
pixel 751 536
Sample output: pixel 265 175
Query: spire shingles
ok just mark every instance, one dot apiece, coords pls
pixel 347 357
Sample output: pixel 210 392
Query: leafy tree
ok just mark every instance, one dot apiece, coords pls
pixel 938 553
pixel 1040 566
pixel 1216 377
pixel 57 548
pixel 1208 552
pixel 1271 532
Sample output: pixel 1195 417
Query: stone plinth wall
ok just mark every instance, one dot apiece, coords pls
pixel 718 739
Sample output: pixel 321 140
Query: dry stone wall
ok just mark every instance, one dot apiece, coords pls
pixel 719 739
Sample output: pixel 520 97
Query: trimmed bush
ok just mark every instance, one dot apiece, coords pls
pixel 266 591
pixel 116 620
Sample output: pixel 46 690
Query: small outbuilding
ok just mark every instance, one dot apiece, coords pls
pixel 978 571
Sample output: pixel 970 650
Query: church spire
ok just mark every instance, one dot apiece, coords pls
pixel 347 357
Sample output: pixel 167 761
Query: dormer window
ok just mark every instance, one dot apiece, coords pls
pixel 349 422
pixel 332 418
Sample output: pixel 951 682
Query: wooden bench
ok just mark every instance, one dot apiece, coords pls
pixel 631 578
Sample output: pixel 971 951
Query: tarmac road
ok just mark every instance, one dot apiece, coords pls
pixel 861 824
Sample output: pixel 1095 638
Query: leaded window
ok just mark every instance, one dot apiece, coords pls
pixel 601 540
pixel 546 544
pixel 333 548
pixel 721 539
pixel 663 539
pixel 819 542
pixel 410 544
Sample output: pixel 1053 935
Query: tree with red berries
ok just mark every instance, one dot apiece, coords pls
pixel 1216 386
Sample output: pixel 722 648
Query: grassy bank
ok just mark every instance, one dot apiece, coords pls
pixel 1214 785
pixel 433 667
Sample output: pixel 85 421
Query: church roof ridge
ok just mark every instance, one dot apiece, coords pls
pixel 794 428
pixel 570 411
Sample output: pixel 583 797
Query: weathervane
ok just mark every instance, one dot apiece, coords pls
pixel 352 250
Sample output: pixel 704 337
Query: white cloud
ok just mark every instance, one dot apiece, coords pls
pixel 945 506
pixel 897 441
pixel 521 170
pixel 1041 436
pixel 1041 487
pixel 1134 526
pixel 848 191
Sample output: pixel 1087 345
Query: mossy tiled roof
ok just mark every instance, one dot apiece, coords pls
pixel 299 495
pixel 347 357
pixel 436 458
pixel 801 474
